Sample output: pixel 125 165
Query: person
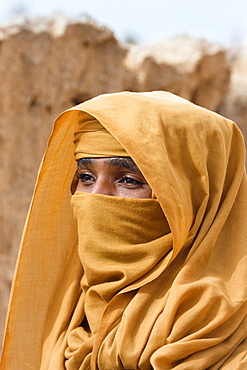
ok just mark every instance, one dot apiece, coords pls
pixel 134 250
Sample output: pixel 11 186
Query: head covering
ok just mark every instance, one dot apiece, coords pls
pixel 185 310
pixel 92 140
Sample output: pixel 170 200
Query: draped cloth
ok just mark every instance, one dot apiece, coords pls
pixel 92 140
pixel 176 301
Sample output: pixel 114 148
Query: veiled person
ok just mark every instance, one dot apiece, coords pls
pixel 134 250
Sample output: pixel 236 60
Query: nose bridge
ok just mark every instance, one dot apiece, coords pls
pixel 103 186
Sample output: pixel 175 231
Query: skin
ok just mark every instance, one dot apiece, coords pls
pixel 117 176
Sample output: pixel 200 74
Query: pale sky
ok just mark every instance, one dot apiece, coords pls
pixel 220 21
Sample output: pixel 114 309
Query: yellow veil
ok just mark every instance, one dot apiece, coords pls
pixel 192 314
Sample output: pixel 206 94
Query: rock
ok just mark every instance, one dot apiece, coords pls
pixel 46 66
pixel 192 68
pixel 234 104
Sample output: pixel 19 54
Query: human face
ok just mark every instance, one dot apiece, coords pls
pixel 118 176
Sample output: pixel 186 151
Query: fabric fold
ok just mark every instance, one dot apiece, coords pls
pixel 176 300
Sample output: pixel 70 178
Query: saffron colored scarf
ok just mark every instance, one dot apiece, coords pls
pixel 166 285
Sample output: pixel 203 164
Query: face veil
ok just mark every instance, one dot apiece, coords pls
pixel 187 309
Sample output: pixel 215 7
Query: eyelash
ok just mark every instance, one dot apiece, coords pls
pixel 133 181
pixel 84 177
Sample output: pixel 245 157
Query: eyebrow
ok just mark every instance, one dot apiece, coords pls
pixel 124 162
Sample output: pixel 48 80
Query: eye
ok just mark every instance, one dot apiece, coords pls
pixel 127 180
pixel 85 178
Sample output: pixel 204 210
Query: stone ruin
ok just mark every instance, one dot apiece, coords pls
pixel 48 65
